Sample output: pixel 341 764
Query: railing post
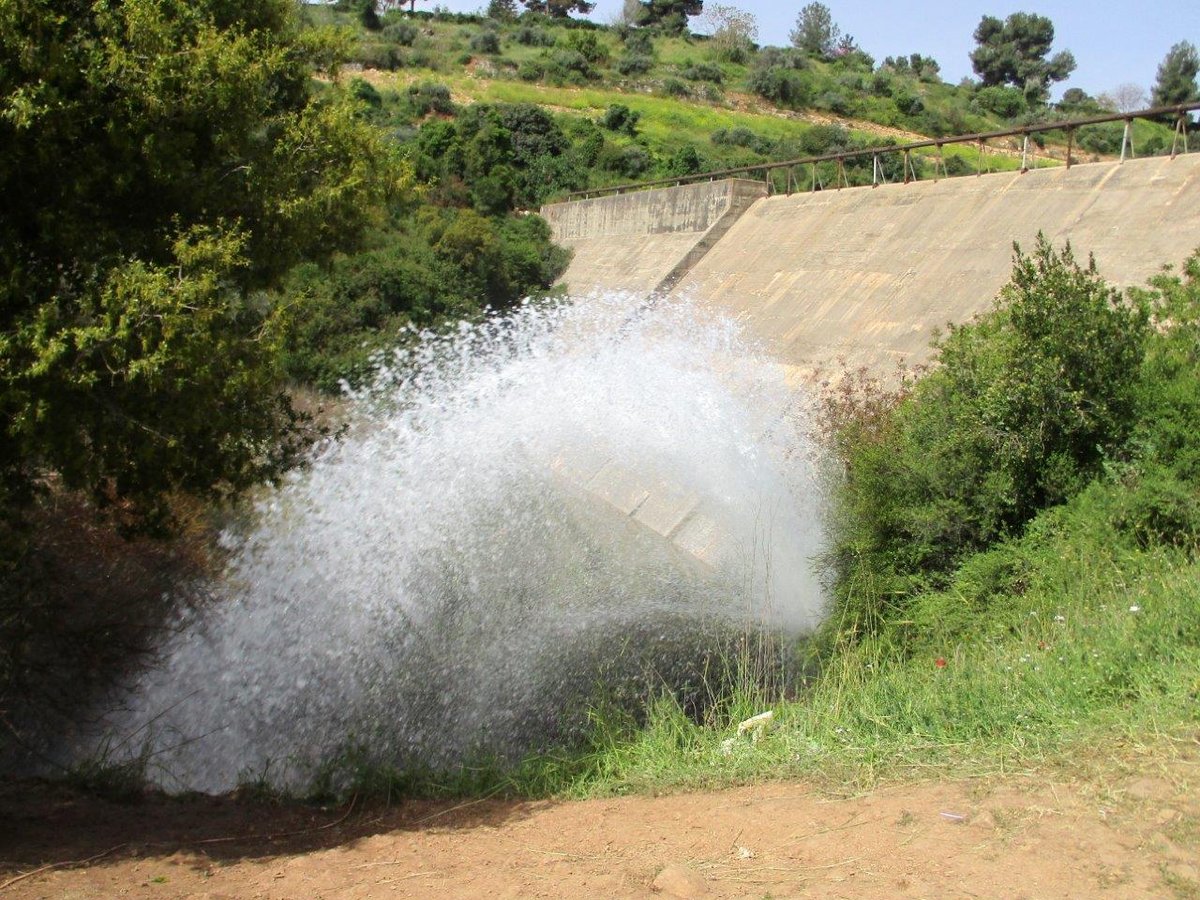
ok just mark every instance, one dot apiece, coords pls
pixel 1180 131
pixel 1127 140
pixel 1025 155
pixel 1070 142
pixel 814 178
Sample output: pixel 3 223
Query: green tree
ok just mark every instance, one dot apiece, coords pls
pixel 164 160
pixel 559 9
pixel 669 15
pixel 502 10
pixel 816 33
pixel 1176 82
pixel 1015 52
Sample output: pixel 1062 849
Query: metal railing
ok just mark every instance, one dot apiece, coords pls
pixel 766 170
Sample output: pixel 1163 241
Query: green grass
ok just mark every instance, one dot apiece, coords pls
pixel 1100 647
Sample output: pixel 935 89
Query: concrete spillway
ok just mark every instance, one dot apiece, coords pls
pixel 866 275
pixel 860 277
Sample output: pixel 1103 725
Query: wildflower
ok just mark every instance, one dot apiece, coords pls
pixel 1135 608
pixel 940 662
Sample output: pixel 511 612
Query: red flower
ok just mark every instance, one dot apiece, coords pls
pixel 941 662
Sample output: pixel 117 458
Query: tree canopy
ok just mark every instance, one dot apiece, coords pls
pixel 816 33
pixel 559 9
pixel 1016 52
pixel 164 161
pixel 669 15
pixel 1176 81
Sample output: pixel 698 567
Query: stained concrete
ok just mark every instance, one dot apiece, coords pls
pixel 644 242
pixel 865 275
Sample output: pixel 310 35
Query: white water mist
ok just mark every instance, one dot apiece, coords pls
pixel 434 585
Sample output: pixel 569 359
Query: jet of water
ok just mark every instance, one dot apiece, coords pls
pixel 519 506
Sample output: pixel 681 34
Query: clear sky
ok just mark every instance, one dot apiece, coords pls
pixel 1113 42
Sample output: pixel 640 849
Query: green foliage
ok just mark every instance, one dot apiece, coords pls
pixel 1001 100
pixel 1176 77
pixel 622 119
pixel 137 360
pixel 782 86
pixel 704 72
pixel 1015 52
pixel 502 10
pixel 1025 407
pixel 815 32
pixel 529 36
pixel 634 65
pixel 558 9
pixel 669 16
pixel 588 45
pixel 401 33
pixel 485 42
pixel 441 266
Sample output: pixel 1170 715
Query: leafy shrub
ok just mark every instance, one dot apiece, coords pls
pixel 485 42
pixel 1027 404
pixel 632 161
pixel 385 57
pixel 621 118
pixel 428 96
pixel 782 86
pixel 881 84
pixel 685 161
pixel 400 33
pixel 365 92
pixel 588 45
pixel 1001 100
pixel 533 37
pixel 704 72
pixel 909 104
pixel 634 65
pixel 569 66
pixel 835 102
pixel 531 70
pixel 638 42
pixel 673 87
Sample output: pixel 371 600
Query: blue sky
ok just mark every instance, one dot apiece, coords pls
pixel 1113 42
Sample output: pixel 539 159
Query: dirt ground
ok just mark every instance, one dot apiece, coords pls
pixel 1023 835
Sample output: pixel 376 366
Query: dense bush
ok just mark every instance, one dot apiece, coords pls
pixel 704 72
pixel 621 118
pixel 428 96
pixel 782 86
pixel 439 266
pixel 631 64
pixel 401 33
pixel 485 42
pixel 1025 406
pixel 534 37
pixel 1000 100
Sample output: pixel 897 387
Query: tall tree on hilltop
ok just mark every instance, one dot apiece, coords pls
pixel 816 33
pixel 1015 52
pixel 1176 82
pixel 559 9
pixel 669 15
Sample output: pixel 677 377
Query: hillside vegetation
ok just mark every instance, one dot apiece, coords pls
pixel 641 103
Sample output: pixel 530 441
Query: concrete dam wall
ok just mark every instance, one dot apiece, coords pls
pixel 646 241
pixel 866 275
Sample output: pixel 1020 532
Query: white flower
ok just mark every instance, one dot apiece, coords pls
pixel 1135 608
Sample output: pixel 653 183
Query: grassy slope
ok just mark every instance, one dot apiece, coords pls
pixel 442 53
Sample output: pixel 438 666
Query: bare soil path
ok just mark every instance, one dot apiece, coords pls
pixel 1026 835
